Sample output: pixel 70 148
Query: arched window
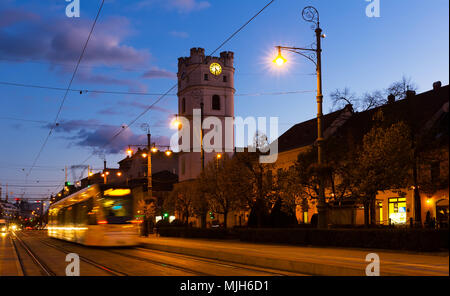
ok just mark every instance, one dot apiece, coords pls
pixel 183 105
pixel 216 102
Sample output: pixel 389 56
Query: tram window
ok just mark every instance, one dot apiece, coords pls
pixel 82 213
pixel 117 210
pixel 75 216
pixel 61 216
pixel 68 216
pixel 91 216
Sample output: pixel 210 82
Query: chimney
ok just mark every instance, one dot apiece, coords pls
pixel 437 85
pixel 391 99
pixel 104 164
pixel 410 94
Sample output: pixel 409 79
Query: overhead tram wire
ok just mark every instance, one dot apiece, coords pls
pixel 176 84
pixel 81 90
pixel 68 87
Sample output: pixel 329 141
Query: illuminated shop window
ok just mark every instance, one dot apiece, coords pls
pixel 397 210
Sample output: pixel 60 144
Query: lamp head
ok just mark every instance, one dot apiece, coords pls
pixel 279 60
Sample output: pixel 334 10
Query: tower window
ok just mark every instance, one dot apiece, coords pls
pixel 183 106
pixel 206 76
pixel 216 102
pixel 225 79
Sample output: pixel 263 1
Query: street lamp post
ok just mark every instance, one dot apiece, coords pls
pixel 146 128
pixel 310 14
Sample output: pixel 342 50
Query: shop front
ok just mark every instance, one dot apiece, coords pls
pixel 397 210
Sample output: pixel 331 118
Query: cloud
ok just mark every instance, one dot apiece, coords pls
pixel 93 134
pixel 99 139
pixel 61 40
pixel 12 16
pixel 86 76
pixel 179 34
pixel 182 6
pixel 188 5
pixel 109 111
pixel 146 106
pixel 159 73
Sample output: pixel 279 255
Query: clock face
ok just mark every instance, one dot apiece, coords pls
pixel 215 69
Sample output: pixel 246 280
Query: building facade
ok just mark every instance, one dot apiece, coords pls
pixel 427 115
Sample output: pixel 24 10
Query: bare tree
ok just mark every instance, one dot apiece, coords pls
pixel 399 88
pixel 342 97
pixel 372 100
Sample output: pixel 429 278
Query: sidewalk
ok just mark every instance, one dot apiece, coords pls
pixel 9 262
pixel 306 260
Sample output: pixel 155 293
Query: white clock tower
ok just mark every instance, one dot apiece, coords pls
pixel 208 81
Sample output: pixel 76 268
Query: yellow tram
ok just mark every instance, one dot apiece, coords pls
pixel 99 215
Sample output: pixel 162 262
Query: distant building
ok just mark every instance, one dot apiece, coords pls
pixel 8 211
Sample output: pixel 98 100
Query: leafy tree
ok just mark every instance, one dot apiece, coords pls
pixel 224 192
pixel 290 192
pixel 182 199
pixel 384 163
pixel 257 178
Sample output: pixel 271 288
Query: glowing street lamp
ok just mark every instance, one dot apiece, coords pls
pixel 168 152
pixel 279 60
pixel 176 123
pixel 310 14
pixel 129 152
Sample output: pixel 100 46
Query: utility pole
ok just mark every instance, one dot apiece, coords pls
pixel 202 153
pixel 149 166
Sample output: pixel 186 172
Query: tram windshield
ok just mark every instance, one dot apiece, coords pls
pixel 117 208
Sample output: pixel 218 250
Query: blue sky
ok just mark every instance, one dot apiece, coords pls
pixel 135 47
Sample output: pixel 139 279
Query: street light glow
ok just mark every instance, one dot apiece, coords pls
pixel 168 152
pixel 279 60
pixel 129 152
pixel 175 124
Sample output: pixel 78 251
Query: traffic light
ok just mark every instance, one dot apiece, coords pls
pixel 67 184
pixel 166 215
pixel 211 215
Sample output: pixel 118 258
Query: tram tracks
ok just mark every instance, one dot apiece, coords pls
pixel 168 263
pixel 97 265
pixel 34 257
pixel 250 268
pixel 156 262
pixel 109 270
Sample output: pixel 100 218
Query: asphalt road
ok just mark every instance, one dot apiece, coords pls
pixel 32 253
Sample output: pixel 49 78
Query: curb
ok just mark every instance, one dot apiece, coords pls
pixel 308 268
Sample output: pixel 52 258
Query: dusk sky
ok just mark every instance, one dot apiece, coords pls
pixel 135 46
